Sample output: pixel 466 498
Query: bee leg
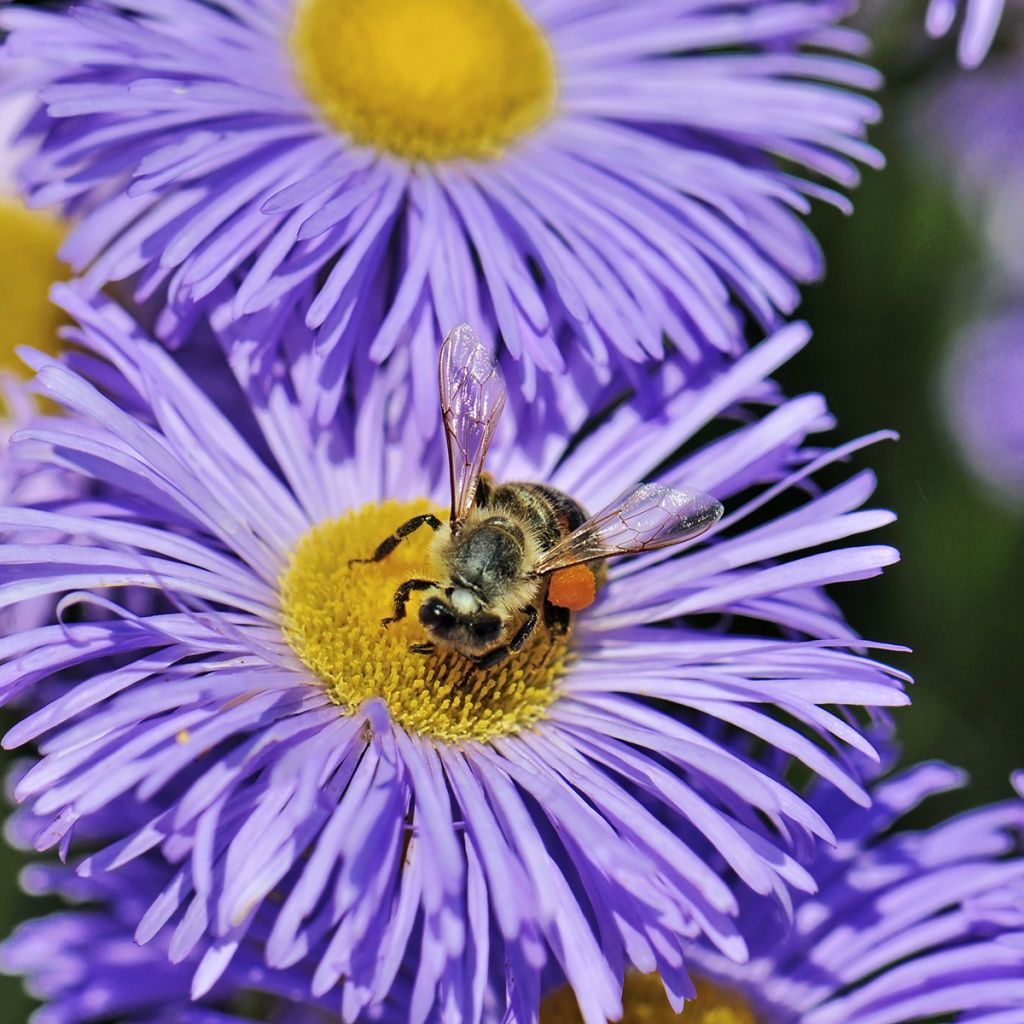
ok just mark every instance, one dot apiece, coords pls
pixel 422 648
pixel 402 598
pixel 556 619
pixel 386 546
pixel 515 644
pixel 525 631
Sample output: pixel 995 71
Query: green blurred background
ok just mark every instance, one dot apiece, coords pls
pixel 898 284
pixel 902 276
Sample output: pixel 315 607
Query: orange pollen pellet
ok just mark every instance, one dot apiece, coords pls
pixel 574 588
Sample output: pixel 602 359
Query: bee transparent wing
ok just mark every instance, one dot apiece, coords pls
pixel 651 516
pixel 472 398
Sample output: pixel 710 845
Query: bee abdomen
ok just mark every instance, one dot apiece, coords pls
pixel 553 514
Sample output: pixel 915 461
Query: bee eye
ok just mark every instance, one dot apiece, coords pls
pixel 433 614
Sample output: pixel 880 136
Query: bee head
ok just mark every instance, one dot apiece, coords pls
pixel 471 634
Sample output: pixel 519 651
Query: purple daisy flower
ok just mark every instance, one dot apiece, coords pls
pixel 980 21
pixel 613 173
pixel 387 804
pixel 905 926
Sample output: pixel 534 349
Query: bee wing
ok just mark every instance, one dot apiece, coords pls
pixel 472 398
pixel 651 516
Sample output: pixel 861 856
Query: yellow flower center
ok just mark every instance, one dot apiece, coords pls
pixel 29 240
pixel 332 619
pixel 644 1002
pixel 425 79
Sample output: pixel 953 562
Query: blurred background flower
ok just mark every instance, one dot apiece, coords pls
pixel 982 393
pixel 973 132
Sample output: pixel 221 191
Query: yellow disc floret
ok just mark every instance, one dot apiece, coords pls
pixel 332 619
pixel 29 240
pixel 644 1002
pixel 425 79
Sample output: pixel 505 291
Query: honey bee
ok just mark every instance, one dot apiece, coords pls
pixel 512 554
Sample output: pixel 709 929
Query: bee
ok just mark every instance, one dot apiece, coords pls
pixel 514 554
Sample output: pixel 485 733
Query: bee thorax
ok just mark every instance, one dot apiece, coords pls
pixel 484 560
pixel 465 602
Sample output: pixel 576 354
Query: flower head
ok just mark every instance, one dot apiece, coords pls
pixel 905 926
pixel 548 169
pixel 387 804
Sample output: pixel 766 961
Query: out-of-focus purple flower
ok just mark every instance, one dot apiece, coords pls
pixel 905 925
pixel 611 173
pixel 562 808
pixel 980 21
pixel 982 388
pixel 979 124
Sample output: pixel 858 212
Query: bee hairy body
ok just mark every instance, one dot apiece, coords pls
pixel 484 568
pixel 514 554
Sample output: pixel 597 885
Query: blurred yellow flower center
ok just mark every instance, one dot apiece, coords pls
pixel 644 1002
pixel 425 79
pixel 332 619
pixel 29 240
